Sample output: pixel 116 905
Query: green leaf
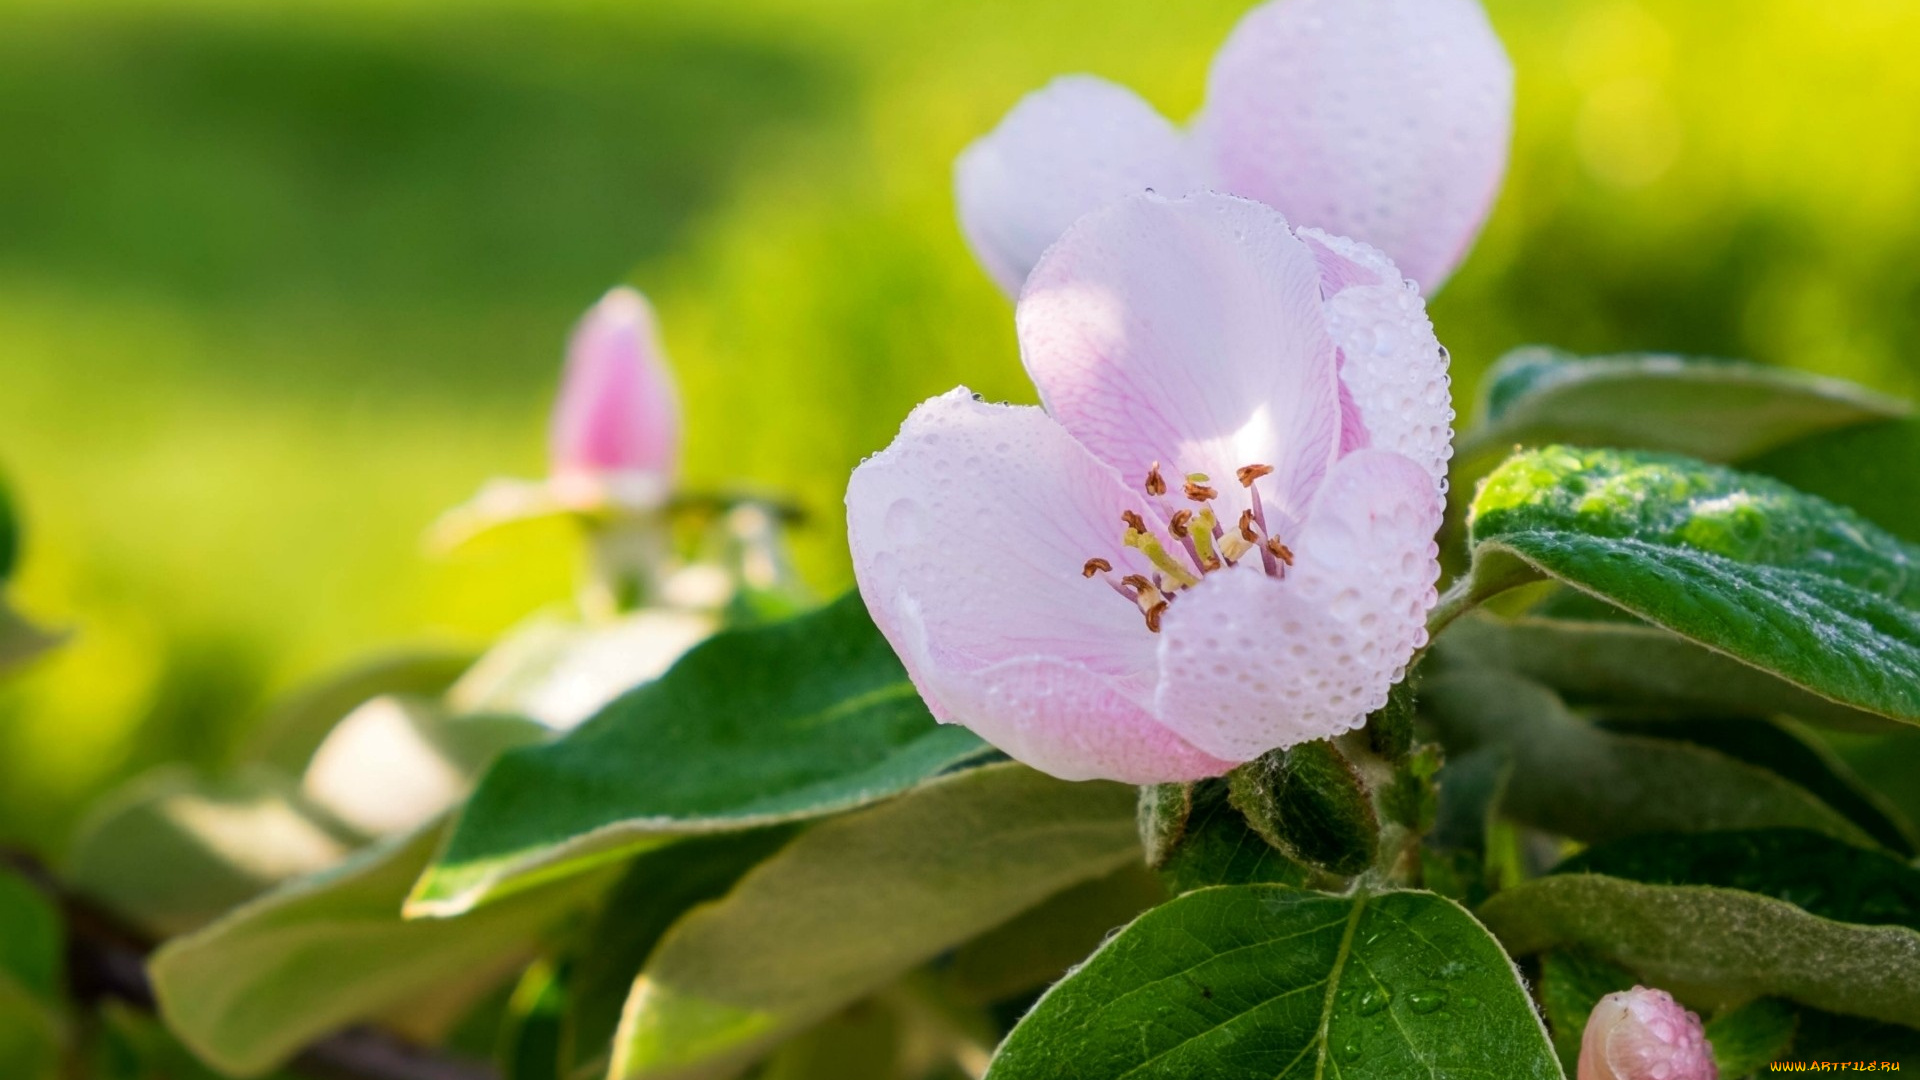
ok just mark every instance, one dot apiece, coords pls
pixel 1040 946
pixel 1575 779
pixel 1825 877
pixel 1715 946
pixel 1471 787
pixel 1626 664
pixel 657 888
pixel 755 727
pixel 295 727
pixel 1825 1036
pixel 560 672
pixel 1572 982
pixel 32 950
pixel 1219 848
pixel 1746 1039
pixel 857 901
pixel 1875 470
pixel 1782 748
pixel 321 952
pixel 1742 564
pixel 1265 981
pixel 20 640
pixel 1310 803
pixel 172 850
pixel 1720 410
pixel 9 534
pixel 533 1032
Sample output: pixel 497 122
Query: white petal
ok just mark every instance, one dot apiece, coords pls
pixel 1250 663
pixel 1188 332
pixel 979 518
pixel 1384 120
pixel 1065 150
pixel 1395 373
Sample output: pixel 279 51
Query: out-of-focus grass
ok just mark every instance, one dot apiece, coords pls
pixel 278 281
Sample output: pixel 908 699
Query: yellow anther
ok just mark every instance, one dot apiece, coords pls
pixel 1203 527
pixel 1233 545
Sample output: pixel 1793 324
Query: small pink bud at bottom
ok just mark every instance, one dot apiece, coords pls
pixel 1644 1034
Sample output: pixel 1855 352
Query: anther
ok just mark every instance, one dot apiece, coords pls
pixel 1134 521
pixel 1280 551
pixel 1156 484
pixel 1144 543
pixel 1153 616
pixel 1203 541
pixel 1178 526
pixel 1200 493
pixel 1095 566
pixel 1249 473
pixel 1138 581
pixel 1246 527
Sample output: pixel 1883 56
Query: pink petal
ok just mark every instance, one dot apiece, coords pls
pixel 1383 120
pixel 1644 1034
pixel 617 411
pixel 978 520
pixel 1249 663
pixel 1190 333
pixel 1393 375
pixel 1065 150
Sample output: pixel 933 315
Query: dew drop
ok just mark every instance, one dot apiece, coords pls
pixel 1425 1002
pixel 1375 1000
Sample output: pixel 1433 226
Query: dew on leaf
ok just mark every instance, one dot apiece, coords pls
pixel 1425 1002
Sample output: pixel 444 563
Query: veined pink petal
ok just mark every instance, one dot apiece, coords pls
pixel 1069 148
pixel 1644 1034
pixel 1249 662
pixel 1383 120
pixel 617 410
pixel 979 518
pixel 1393 372
pixel 1190 333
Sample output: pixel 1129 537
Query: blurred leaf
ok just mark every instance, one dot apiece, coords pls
pixel 9 533
pixel 532 1033
pixel 1572 982
pixel 1718 410
pixel 863 1042
pixel 1039 947
pixel 857 901
pixel 394 763
pixel 1219 848
pixel 1747 1038
pixel 172 850
pixel 657 888
pixel 1258 981
pixel 757 726
pixel 294 728
pixel 1777 746
pixel 1572 778
pixel 20 640
pixel 1310 803
pixel 1825 1036
pixel 1744 565
pixel 1626 663
pixel 328 950
pixel 32 951
pixel 1875 470
pixel 561 672
pixel 1454 855
pixel 1716 946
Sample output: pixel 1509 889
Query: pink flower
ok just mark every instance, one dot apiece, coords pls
pixel 1644 1034
pixel 1216 538
pixel 1383 120
pixel 617 413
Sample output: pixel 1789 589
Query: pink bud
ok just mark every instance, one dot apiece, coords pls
pixel 618 412
pixel 1644 1034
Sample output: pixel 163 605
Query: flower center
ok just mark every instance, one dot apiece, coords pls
pixel 1203 544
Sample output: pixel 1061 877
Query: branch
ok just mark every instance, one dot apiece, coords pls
pixel 106 961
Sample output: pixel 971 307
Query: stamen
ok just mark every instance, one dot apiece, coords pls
pixel 1246 527
pixel 1156 484
pixel 1143 542
pixel 1280 551
pixel 1178 526
pixel 1249 473
pixel 1153 616
pixel 1200 492
pixel 1095 566
pixel 1138 581
pixel 1234 546
pixel 1203 540
pixel 1133 521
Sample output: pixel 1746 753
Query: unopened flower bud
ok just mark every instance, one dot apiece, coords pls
pixel 617 412
pixel 1644 1034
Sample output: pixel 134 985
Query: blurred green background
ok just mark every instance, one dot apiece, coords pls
pixel 280 281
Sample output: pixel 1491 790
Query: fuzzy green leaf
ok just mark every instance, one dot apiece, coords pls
pixel 1310 803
